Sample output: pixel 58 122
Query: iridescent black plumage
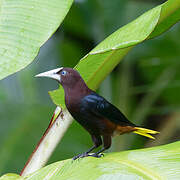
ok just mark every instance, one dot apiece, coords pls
pixel 100 107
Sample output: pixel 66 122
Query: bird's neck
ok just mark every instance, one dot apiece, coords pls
pixel 74 93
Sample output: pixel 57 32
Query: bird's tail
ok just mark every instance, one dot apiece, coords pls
pixel 145 132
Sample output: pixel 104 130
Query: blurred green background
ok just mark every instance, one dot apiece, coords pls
pixel 145 85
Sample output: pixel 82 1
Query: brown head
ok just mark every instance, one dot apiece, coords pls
pixel 67 77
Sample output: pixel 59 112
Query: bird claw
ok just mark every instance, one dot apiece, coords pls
pixel 96 155
pixel 86 154
pixel 80 156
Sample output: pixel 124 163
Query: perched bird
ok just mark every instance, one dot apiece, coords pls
pixel 99 117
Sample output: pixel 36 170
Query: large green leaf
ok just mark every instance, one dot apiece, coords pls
pixel 25 25
pixel 95 66
pixel 162 162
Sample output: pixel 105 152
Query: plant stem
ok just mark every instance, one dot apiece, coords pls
pixel 59 123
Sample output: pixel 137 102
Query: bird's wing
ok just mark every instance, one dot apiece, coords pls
pixel 99 106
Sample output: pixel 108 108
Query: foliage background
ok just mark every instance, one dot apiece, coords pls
pixel 145 86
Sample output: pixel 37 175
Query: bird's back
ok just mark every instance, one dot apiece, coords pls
pixel 99 106
pixel 98 116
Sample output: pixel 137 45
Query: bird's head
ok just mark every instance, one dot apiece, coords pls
pixel 67 77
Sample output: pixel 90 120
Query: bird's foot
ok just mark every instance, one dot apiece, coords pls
pixel 80 156
pixel 96 155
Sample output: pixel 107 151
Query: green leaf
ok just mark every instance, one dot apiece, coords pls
pixel 162 162
pixel 11 176
pixel 25 25
pixel 97 64
pixel 170 14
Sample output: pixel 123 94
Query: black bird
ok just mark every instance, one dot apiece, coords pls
pixel 99 117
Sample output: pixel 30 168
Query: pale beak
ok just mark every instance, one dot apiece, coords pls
pixel 51 74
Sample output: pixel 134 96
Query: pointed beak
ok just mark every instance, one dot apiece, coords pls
pixel 51 74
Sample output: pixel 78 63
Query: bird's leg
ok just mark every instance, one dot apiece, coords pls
pixel 97 142
pixel 92 148
pixel 107 145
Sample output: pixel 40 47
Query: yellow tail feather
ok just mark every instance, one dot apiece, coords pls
pixel 145 132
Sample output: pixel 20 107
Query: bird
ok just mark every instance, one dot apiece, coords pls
pixel 93 112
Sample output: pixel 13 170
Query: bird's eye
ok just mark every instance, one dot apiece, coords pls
pixel 63 73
